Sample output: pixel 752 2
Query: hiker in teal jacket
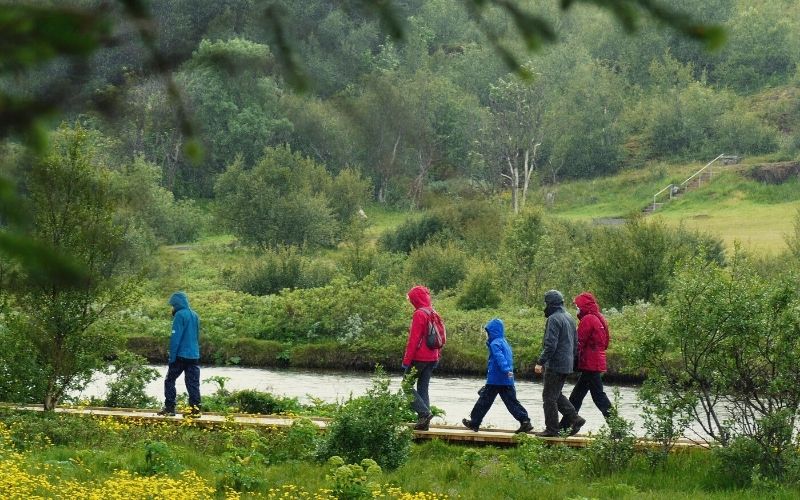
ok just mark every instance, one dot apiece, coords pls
pixel 499 380
pixel 184 355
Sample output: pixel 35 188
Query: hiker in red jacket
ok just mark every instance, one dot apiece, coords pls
pixel 418 355
pixel 593 340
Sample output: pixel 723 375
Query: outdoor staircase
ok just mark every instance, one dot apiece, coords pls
pixel 694 181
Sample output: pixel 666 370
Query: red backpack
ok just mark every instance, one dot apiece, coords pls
pixel 436 334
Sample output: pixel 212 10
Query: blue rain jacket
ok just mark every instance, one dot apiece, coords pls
pixel 185 339
pixel 501 359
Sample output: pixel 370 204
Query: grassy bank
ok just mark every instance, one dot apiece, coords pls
pixel 732 206
pixel 59 456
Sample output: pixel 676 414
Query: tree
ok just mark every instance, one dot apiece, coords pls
pixel 725 350
pixel 518 127
pixel 285 200
pixel 49 35
pixel 72 208
pixel 235 102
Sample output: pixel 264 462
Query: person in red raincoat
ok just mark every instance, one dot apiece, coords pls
pixel 419 356
pixel 593 340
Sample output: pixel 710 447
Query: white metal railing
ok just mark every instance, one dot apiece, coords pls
pixel 673 189
pixel 655 196
pixel 701 170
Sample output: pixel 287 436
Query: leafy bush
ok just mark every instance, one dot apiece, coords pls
pixel 282 200
pixel 411 234
pixel 252 401
pixel 371 426
pixel 353 481
pixel 638 261
pixel 158 459
pixel 769 454
pixel 323 312
pixel 129 376
pixel 438 266
pixel 275 270
pixel 480 290
pixel 538 459
pixel 613 446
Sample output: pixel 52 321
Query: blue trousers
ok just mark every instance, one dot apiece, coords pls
pixel 488 394
pixel 422 401
pixel 191 370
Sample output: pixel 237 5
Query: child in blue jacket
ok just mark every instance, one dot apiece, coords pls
pixel 499 380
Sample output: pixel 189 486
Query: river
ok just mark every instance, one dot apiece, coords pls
pixel 454 395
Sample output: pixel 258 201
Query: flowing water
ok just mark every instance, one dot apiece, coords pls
pixel 454 394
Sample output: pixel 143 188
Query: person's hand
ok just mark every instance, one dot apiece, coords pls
pixel 537 369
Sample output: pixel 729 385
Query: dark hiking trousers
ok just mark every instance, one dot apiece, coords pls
pixel 191 370
pixel 422 401
pixel 554 402
pixel 591 382
pixel 487 396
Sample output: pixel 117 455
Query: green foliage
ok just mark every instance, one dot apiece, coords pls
pixel 128 377
pixel 326 312
pixel 169 220
pixel 613 447
pixel 480 289
pixel 271 271
pixel 411 234
pixel 438 266
pixel 353 481
pixel 637 261
pixel 20 380
pixel 252 401
pixel 371 426
pixel 532 256
pixel 159 459
pixel 538 460
pixel 726 333
pixel 282 200
pixel 73 207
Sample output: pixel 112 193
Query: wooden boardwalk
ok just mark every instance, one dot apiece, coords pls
pixel 450 433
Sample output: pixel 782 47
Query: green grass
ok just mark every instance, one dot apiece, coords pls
pixel 731 206
pixel 457 471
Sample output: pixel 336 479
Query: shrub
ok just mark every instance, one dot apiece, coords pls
pixel 439 266
pixel 638 261
pixel 479 291
pixel 158 459
pixel 371 426
pixel 279 269
pixel 411 234
pixel 353 481
pixel 129 376
pixel 252 401
pixel 613 447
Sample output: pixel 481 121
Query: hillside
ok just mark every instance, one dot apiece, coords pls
pixel 735 205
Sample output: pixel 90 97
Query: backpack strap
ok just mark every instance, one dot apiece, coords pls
pixel 429 312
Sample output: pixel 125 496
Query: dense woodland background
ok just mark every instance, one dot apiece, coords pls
pixel 185 155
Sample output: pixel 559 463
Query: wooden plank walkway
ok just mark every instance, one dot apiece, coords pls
pixel 450 433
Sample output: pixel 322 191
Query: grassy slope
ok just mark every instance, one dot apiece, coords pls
pixel 731 207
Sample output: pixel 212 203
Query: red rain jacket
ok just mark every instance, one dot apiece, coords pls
pixel 416 347
pixel 593 335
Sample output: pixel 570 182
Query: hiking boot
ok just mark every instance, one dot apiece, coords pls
pixel 469 425
pixel 424 422
pixel 165 412
pixel 194 412
pixel 524 427
pixel 576 425
pixel 546 434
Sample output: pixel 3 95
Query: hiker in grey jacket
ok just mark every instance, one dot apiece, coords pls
pixel 557 359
